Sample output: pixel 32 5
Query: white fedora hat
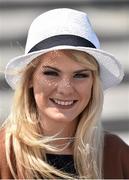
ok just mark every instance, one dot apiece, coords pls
pixel 65 28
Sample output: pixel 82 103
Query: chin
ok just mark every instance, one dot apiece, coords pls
pixel 59 117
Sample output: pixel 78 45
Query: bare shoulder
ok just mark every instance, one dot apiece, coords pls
pixel 4 168
pixel 2 139
pixel 2 149
pixel 2 144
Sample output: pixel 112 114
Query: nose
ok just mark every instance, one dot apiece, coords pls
pixel 65 87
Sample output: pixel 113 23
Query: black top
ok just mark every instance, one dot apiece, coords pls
pixel 64 163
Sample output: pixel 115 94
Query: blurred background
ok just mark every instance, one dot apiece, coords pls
pixel 110 19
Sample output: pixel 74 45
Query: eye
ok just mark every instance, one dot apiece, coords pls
pixel 81 75
pixel 50 73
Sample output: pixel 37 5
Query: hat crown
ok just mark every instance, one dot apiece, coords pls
pixel 62 21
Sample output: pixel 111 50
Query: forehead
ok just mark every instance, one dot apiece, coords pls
pixel 61 58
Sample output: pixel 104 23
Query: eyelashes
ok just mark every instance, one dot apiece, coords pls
pixel 50 73
pixel 81 75
pixel 77 75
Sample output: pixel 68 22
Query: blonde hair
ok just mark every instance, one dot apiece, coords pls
pixel 29 145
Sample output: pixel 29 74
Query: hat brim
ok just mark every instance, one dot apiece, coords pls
pixel 111 71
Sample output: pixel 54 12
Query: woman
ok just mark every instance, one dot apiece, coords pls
pixel 54 128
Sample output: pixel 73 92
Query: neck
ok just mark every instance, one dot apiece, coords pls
pixel 65 131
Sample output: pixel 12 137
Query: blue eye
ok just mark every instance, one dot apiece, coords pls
pixel 81 75
pixel 50 73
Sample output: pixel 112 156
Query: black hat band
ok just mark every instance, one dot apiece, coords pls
pixel 69 40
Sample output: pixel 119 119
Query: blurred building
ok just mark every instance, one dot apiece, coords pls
pixel 110 19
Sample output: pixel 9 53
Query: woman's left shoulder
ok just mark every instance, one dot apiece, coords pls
pixel 113 140
pixel 116 157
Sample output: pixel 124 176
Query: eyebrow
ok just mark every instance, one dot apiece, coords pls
pixel 52 68
pixel 78 71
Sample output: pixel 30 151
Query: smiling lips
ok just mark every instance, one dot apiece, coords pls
pixel 63 103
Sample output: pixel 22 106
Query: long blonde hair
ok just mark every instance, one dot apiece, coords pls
pixel 29 144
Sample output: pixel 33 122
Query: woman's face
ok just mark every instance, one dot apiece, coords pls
pixel 62 87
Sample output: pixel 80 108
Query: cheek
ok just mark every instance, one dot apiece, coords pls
pixel 43 89
pixel 43 85
pixel 85 93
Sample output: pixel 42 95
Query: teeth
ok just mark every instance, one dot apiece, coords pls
pixel 64 103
